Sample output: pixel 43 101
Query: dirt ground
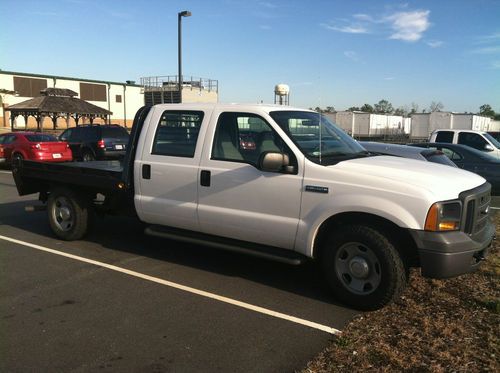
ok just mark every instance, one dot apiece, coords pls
pixel 437 326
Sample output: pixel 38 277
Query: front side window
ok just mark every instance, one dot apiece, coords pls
pixel 493 140
pixel 177 133
pixel 472 139
pixel 245 137
pixel 319 139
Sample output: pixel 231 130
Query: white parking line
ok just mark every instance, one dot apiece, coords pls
pixel 5 172
pixel 188 289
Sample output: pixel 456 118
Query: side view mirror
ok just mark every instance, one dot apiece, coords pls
pixel 273 162
pixel 488 148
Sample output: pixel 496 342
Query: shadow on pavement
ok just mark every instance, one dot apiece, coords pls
pixel 125 234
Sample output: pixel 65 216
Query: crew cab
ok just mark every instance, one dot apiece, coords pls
pixel 479 140
pixel 280 183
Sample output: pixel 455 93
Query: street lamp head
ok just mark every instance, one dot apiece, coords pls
pixel 185 13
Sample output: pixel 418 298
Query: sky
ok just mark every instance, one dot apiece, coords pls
pixel 330 53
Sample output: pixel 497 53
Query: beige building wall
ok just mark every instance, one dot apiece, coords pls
pixel 131 97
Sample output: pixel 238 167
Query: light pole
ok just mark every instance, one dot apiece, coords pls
pixel 184 13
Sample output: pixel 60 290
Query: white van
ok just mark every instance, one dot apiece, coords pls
pixel 479 140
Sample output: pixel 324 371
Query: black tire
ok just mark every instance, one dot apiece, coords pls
pixel 362 267
pixel 87 156
pixel 16 158
pixel 69 214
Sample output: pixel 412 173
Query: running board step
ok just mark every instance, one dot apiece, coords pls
pixel 267 252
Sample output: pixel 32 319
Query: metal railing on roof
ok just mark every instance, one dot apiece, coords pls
pixel 171 83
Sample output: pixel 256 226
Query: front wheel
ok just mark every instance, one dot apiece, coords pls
pixel 69 214
pixel 362 267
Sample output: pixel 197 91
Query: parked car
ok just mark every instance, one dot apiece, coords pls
pixel 472 160
pixel 479 140
pixel 93 142
pixel 406 151
pixel 34 146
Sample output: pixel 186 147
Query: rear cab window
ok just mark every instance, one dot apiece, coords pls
pixel 444 136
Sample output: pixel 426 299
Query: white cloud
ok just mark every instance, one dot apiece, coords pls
pixel 487 50
pixel 435 43
pixel 265 27
pixel 495 65
pixel 351 29
pixel 267 4
pixel 389 78
pixel 409 26
pixel 352 55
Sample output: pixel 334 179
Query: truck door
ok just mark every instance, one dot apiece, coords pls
pixel 236 199
pixel 167 172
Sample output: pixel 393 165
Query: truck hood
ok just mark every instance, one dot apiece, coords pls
pixel 441 181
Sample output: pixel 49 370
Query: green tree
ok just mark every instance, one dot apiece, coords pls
pixel 367 108
pixel 353 108
pixel 486 111
pixel 383 107
pixel 330 109
pixel 402 110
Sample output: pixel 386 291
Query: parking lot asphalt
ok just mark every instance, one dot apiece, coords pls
pixel 122 301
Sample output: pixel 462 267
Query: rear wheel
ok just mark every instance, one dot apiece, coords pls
pixel 16 158
pixel 362 267
pixel 69 214
pixel 87 156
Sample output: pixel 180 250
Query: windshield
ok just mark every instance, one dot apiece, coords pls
pixel 494 141
pixel 317 137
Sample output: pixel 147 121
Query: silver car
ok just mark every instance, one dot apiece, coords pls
pixel 406 151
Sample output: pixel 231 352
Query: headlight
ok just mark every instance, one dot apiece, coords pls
pixel 444 216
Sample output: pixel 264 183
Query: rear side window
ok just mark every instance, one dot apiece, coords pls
pixel 472 139
pixel 76 135
pixel 177 133
pixel 444 136
pixel 66 135
pixel 114 133
pixel 41 138
pixel 90 134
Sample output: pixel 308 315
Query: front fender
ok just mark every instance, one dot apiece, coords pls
pixel 411 215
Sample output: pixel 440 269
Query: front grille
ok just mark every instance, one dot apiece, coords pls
pixel 476 204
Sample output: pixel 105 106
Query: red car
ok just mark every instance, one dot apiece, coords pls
pixel 34 146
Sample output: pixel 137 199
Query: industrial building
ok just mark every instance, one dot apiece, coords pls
pixel 121 99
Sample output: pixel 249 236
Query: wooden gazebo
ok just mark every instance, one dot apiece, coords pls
pixel 57 103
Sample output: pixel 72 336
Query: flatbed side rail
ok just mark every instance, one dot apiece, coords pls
pixel 33 177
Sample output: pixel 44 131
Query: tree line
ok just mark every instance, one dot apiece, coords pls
pixel 385 107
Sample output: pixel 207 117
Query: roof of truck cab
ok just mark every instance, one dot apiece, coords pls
pixel 230 106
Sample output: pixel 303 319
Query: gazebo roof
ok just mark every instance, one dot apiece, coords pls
pixel 58 100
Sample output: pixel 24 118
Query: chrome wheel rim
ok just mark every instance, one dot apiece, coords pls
pixel 358 268
pixel 63 214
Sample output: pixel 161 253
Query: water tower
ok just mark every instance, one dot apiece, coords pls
pixel 282 94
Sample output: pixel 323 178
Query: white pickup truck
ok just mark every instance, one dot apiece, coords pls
pixel 281 183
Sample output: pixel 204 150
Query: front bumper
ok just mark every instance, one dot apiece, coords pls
pixel 450 254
